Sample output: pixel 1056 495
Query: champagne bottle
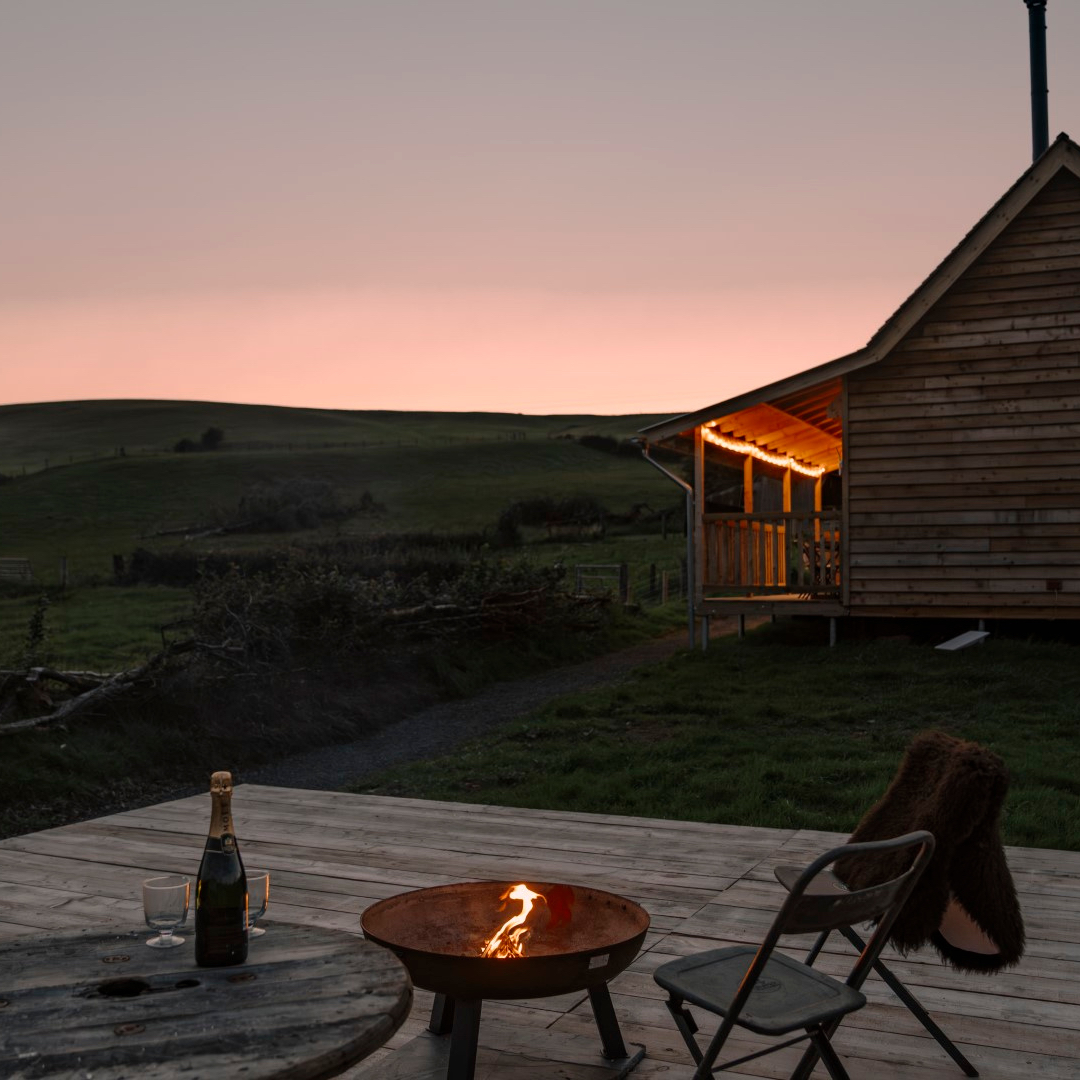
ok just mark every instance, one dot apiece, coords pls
pixel 221 894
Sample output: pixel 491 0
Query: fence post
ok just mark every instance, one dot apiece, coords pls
pixel 624 583
pixel 664 584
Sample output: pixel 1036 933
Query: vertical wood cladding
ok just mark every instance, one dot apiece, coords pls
pixel 963 454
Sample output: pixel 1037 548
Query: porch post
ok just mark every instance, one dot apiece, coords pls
pixel 817 571
pixel 845 499
pixel 792 543
pixel 748 539
pixel 700 539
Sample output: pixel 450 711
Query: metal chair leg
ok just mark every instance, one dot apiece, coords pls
pixel 828 1055
pixel 686 1025
pixel 916 1009
pixel 708 1059
pixel 812 955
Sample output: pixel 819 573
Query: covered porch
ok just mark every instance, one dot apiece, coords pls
pixel 767 498
pixel 330 855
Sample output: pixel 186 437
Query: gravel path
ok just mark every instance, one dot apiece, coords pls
pixel 439 728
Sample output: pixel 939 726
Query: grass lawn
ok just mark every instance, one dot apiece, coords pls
pixel 773 732
pixel 91 511
pixel 93 629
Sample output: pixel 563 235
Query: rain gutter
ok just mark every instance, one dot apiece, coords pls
pixel 688 491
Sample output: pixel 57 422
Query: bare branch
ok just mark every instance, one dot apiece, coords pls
pixel 97 689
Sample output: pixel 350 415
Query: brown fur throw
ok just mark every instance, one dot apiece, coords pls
pixel 955 790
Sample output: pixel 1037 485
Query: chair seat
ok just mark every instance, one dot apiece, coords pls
pixel 788 996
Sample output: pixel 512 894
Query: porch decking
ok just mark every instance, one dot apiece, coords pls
pixel 332 854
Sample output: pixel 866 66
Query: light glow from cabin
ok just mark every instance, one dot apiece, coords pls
pixel 740 447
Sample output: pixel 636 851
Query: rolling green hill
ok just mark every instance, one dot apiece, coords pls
pixel 430 471
pixel 63 432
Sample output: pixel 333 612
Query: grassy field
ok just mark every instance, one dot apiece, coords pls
pixel 779 730
pixel 50 434
pixel 93 629
pixel 459 476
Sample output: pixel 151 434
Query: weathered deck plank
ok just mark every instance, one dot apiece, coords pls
pixel 331 854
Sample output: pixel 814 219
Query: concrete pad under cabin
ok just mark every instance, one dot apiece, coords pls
pixel 964 640
pixel 331 854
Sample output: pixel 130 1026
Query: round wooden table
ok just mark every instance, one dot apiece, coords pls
pixel 306 1004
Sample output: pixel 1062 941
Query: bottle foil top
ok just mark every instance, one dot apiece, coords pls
pixel 221 783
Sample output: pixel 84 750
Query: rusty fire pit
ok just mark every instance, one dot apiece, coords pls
pixel 577 939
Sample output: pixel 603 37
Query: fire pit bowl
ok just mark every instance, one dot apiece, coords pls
pixel 579 939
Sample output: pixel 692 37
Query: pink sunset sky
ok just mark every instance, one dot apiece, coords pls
pixel 544 206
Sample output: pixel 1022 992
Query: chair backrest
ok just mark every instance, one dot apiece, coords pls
pixel 809 910
pixel 812 908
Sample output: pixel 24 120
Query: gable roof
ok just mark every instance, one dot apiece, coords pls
pixel 1063 153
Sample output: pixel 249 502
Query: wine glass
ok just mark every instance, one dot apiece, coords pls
pixel 165 905
pixel 258 883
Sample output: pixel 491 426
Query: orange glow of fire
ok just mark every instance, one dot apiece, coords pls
pixel 509 940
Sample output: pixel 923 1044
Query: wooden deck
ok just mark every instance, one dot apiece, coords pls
pixel 332 854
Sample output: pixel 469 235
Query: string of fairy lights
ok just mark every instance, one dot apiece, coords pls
pixel 740 447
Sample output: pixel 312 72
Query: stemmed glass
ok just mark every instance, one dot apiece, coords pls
pixel 258 883
pixel 165 905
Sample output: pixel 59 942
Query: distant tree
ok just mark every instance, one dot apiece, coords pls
pixel 211 438
pixel 600 442
pixel 289 504
pixel 185 446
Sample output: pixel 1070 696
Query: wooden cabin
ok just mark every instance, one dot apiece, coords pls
pixel 935 472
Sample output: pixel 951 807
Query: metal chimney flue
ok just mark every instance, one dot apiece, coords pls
pixel 1040 121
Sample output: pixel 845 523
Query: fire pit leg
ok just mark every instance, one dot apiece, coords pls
pixel 607 1023
pixel 463 1038
pixel 461 1021
pixel 442 1015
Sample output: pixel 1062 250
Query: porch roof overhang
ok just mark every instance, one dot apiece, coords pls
pixel 796 417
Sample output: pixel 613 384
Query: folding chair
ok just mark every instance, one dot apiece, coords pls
pixel 965 905
pixel 771 994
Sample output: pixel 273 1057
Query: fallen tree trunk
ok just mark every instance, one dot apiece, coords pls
pixel 95 689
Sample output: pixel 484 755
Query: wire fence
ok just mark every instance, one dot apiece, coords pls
pixel 649 584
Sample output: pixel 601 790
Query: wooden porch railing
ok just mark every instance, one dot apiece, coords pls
pixel 797 552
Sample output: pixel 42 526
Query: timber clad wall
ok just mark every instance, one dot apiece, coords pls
pixel 963 444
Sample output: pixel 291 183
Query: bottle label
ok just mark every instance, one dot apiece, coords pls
pixel 224 931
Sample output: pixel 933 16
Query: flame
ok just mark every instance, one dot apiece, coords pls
pixel 509 940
